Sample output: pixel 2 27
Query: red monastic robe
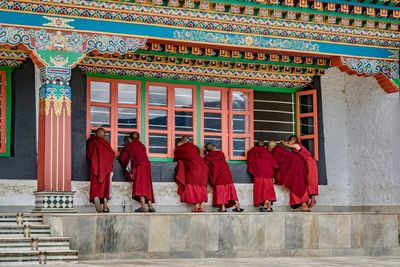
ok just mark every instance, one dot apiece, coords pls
pixel 101 157
pixel 124 161
pixel 312 169
pixel 191 174
pixel 292 174
pixel 138 168
pixel 220 178
pixel 262 166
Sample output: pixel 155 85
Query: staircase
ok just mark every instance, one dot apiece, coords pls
pixel 25 238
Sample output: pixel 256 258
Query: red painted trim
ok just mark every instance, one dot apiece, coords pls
pixel 313 115
pixel 113 105
pixel 227 114
pixel 249 125
pixel 224 117
pixel 3 105
pixel 387 84
pixel 170 108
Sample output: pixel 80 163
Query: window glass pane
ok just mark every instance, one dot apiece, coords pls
pixel 239 124
pixel 158 119
pixel 212 99
pixel 307 126
pixel 183 121
pixel 239 146
pixel 309 144
pixel 127 93
pixel 212 122
pixel 183 97
pixel 306 103
pixel 158 143
pixel 127 118
pixel 99 116
pixel 240 101
pixel 157 95
pixel 216 140
pixel 100 92
pixel 122 140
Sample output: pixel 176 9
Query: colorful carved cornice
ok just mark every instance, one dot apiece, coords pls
pixel 291 24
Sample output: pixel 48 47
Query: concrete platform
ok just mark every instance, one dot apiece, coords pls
pixel 237 262
pixel 230 235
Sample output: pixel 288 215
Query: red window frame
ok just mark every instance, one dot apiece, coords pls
pixel 3 115
pixel 171 109
pixel 227 135
pixel 113 105
pixel 313 114
pixel 224 114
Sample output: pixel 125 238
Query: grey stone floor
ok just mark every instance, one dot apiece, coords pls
pixel 254 262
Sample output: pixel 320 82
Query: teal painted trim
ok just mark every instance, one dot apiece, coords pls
pixel 271 89
pixel 310 10
pixel 255 88
pixel 294 115
pixel 397 82
pixel 198 115
pixel 241 60
pixel 152 159
pixel 197 36
pixel 143 106
pixel 237 161
pixel 391 6
pixel 8 71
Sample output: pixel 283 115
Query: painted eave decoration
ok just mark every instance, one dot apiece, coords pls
pixel 279 43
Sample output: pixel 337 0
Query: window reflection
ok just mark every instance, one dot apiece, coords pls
pixel 127 94
pixel 157 95
pixel 99 116
pixel 183 98
pixel 100 92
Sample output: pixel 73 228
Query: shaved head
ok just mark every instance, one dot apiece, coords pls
pixel 271 144
pixel 101 132
pixel 185 139
pixel 260 142
pixel 134 136
pixel 209 147
pixel 293 139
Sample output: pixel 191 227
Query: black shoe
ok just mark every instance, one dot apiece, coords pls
pixel 140 210
pixel 219 210
pixel 262 209
pixel 152 209
pixel 238 210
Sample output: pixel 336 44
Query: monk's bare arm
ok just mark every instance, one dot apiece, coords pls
pixel 295 146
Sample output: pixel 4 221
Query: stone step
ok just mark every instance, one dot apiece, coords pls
pixel 11 244
pixel 39 256
pixel 20 218
pixel 10 230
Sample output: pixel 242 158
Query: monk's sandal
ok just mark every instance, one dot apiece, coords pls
pixel 140 210
pixel 152 209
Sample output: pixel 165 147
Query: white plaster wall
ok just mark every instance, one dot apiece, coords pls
pixel 361 127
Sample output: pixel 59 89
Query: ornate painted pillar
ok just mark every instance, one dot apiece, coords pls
pixel 56 53
pixel 54 132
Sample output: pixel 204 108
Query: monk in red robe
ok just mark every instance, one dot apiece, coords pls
pixel 220 178
pixel 291 174
pixel 262 166
pixel 101 157
pixel 124 158
pixel 134 160
pixel 311 167
pixel 191 174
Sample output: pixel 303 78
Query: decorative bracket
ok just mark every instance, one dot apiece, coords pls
pixel 385 72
